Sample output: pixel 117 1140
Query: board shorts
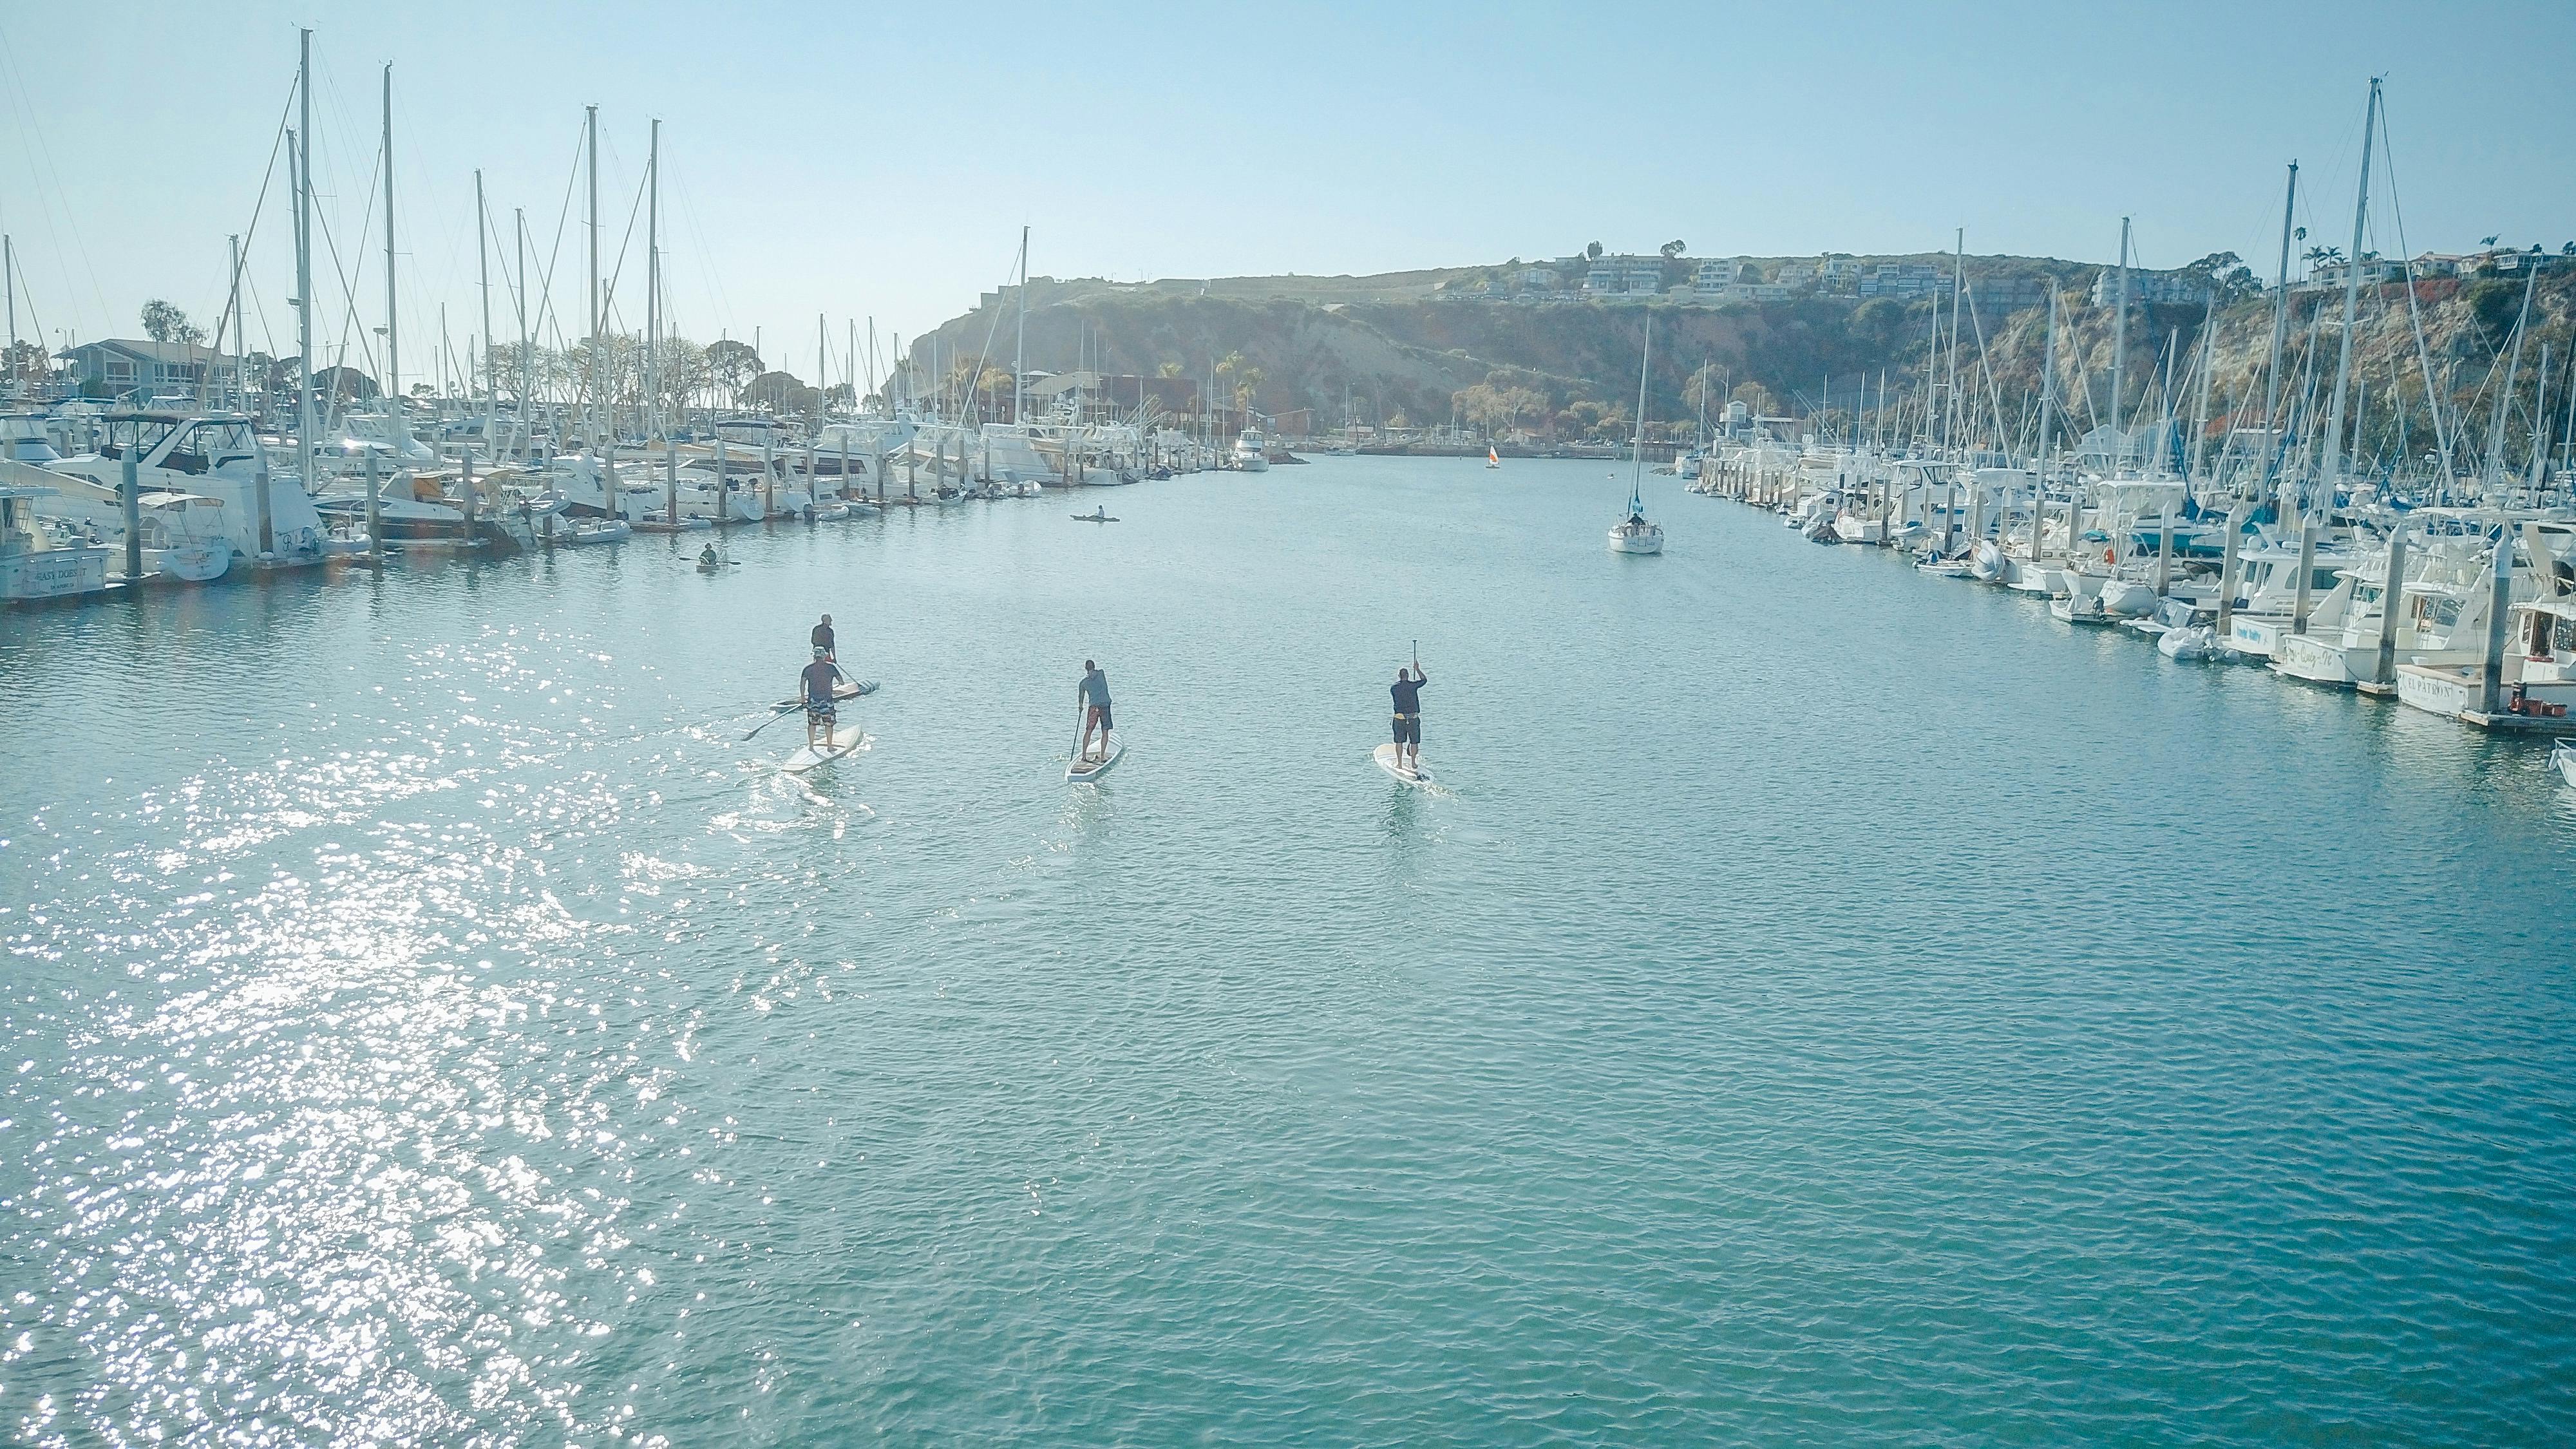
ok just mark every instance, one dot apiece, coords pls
pixel 1102 712
pixel 823 710
pixel 1408 729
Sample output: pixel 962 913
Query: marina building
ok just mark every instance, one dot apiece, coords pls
pixel 118 366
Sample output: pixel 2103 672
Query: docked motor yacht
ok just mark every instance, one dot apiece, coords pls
pixel 1251 452
pixel 213 457
pixel 34 562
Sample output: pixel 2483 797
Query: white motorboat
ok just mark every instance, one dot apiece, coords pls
pixel 2080 608
pixel 34 564
pixel 2442 610
pixel 1251 452
pixel 209 458
pixel 2190 643
pixel 2564 757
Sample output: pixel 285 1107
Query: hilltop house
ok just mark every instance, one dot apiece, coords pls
pixel 1903 279
pixel 2149 287
pixel 119 366
pixel 1627 278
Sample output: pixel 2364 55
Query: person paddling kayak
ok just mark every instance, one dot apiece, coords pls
pixel 1093 692
pixel 816 682
pixel 1408 716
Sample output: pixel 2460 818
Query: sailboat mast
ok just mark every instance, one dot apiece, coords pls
pixel 527 361
pixel 2120 348
pixel 653 281
pixel 483 271
pixel 393 335
pixel 1637 443
pixel 2280 308
pixel 2208 363
pixel 1020 346
pixel 590 133
pixel 2351 295
pixel 238 342
pixel 2047 389
pixel 303 168
pixel 1950 384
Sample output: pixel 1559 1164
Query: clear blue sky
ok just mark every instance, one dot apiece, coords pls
pixel 879 161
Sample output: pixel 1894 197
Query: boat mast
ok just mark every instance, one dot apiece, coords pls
pixel 1020 347
pixel 1637 443
pixel 2351 296
pixel 237 327
pixel 1950 384
pixel 302 165
pixel 9 273
pixel 653 280
pixel 527 422
pixel 2119 351
pixel 2047 422
pixel 2491 477
pixel 2208 362
pixel 590 133
pixel 393 353
pixel 483 270
pixel 2280 312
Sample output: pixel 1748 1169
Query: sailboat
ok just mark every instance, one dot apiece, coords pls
pixel 1634 534
pixel 1492 458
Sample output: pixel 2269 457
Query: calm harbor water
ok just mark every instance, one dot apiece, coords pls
pixel 1822 1005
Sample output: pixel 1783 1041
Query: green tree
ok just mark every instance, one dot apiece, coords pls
pixel 732 365
pixel 25 359
pixel 163 322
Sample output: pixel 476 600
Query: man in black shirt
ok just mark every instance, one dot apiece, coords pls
pixel 823 639
pixel 1408 718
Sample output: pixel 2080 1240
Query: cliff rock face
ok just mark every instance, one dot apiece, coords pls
pixel 1369 349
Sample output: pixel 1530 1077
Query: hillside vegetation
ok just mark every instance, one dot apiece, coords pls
pixel 1382 350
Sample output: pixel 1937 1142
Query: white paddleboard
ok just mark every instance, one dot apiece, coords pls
pixel 846 689
pixel 847 740
pixel 1081 770
pixel 1386 762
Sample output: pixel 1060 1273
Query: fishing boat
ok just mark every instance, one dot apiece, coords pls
pixel 1634 534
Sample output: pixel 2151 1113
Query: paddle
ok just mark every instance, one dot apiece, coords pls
pixel 775 718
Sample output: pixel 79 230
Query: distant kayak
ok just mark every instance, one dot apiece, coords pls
pixel 1093 518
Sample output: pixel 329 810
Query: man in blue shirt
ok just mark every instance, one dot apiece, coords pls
pixel 1093 692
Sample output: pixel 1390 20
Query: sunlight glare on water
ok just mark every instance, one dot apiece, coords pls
pixel 1818 1003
